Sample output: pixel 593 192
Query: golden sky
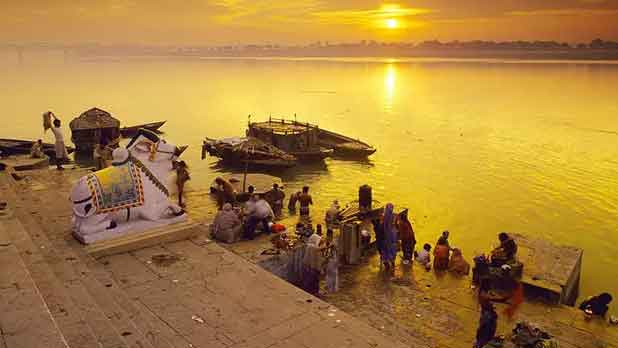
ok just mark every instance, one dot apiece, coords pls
pixel 303 21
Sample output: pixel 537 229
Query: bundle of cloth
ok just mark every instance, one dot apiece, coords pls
pixel 526 335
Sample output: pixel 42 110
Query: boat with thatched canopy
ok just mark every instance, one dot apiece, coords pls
pixel 298 139
pixel 92 127
pixel 247 151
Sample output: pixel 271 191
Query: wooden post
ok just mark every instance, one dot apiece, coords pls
pixel 244 178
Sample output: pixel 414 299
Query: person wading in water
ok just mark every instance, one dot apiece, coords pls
pixel 305 201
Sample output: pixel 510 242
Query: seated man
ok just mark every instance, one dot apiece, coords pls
pixel 36 151
pixel 258 211
pixel 227 226
pixel 506 252
pixel 596 305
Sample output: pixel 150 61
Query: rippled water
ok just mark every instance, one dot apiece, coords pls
pixel 477 147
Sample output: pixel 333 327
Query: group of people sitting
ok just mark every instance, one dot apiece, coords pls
pixel 241 215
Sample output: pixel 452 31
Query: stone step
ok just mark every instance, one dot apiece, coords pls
pixel 116 321
pixel 25 320
pixel 69 318
pixel 131 323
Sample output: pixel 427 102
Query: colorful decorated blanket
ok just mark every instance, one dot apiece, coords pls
pixel 116 188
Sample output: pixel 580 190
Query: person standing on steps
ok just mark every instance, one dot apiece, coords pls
pixel 61 150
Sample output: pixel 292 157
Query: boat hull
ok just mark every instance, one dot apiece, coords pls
pixel 22 147
pixel 237 155
pixel 129 132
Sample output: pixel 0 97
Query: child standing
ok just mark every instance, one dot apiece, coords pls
pixel 182 176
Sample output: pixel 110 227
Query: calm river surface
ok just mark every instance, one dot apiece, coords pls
pixel 474 147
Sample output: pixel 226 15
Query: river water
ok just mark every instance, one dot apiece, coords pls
pixel 476 147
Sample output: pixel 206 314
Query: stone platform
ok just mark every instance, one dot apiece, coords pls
pixel 24 162
pixel 550 271
pixel 439 310
pixel 183 294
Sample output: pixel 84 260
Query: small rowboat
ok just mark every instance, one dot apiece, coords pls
pixel 129 132
pixel 22 147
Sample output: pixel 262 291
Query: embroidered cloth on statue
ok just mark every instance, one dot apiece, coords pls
pixel 117 187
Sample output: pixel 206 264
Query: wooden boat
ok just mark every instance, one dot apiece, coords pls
pixel 22 147
pixel 311 137
pixel 344 146
pixel 297 139
pixel 129 132
pixel 252 151
pixel 262 183
pixel 92 127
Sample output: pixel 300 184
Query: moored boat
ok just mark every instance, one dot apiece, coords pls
pixel 344 146
pixel 295 138
pixel 91 128
pixel 129 132
pixel 22 147
pixel 249 150
pixel 308 141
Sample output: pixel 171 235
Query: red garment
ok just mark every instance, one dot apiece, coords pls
pixel 440 257
pixel 277 228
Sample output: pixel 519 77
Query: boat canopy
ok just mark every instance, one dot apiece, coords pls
pixel 94 118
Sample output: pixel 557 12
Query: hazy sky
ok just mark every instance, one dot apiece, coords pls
pixel 303 21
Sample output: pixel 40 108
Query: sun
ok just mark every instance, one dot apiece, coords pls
pixel 392 23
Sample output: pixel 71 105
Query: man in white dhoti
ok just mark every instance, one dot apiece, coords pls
pixel 61 149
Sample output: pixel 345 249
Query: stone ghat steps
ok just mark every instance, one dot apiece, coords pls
pixel 25 319
pixel 88 307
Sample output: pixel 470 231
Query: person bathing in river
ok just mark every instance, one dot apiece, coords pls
pixel 275 198
pixel 390 237
pixel 406 234
pixel 305 201
pixel 292 202
pixel 61 150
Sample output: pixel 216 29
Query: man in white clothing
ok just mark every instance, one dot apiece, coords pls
pixel 258 211
pixel 61 149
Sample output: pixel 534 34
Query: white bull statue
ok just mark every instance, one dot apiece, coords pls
pixel 111 201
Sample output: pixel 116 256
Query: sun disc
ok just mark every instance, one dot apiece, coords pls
pixel 391 23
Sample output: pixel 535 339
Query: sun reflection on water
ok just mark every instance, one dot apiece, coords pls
pixel 390 79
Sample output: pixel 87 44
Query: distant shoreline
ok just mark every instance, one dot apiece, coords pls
pixel 355 59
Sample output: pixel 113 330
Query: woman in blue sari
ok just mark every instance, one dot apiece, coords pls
pixel 390 237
